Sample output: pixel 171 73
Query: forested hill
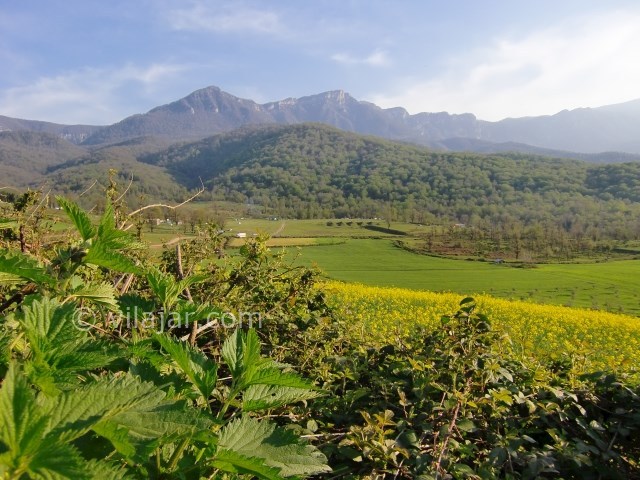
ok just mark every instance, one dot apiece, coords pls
pixel 310 170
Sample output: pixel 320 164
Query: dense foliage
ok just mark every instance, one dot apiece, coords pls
pixel 315 171
pixel 312 171
pixel 102 377
pixel 97 384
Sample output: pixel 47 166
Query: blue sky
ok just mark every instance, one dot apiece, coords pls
pixel 86 61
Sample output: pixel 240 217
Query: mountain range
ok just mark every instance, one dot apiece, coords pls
pixel 209 111
pixel 325 156
pixel 311 170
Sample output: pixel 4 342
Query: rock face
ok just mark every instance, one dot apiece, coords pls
pixel 211 111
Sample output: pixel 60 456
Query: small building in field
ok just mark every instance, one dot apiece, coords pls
pixel 241 235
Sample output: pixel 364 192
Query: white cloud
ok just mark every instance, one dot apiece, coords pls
pixel 589 61
pixel 88 95
pixel 231 18
pixel 378 58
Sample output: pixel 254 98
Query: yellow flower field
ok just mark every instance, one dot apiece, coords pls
pixel 599 340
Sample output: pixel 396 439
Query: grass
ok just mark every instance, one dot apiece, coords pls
pixel 318 228
pixel 613 286
pixel 288 242
pixel 354 254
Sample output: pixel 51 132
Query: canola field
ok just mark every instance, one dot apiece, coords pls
pixel 592 340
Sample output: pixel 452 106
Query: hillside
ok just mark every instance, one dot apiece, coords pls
pixel 314 171
pixel 25 156
pixel 461 144
pixel 43 160
pixel 72 133
pixel 152 182
pixel 612 127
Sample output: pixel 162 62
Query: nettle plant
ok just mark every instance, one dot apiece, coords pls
pixel 84 395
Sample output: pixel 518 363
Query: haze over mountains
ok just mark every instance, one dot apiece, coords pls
pixel 325 155
pixel 209 111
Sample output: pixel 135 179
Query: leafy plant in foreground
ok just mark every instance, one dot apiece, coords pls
pixel 78 401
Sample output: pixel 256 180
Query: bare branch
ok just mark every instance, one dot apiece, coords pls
pixel 171 207
pixel 42 202
pixel 125 190
pixel 90 187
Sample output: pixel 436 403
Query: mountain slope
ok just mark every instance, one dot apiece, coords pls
pixel 483 146
pixel 25 156
pixel 210 110
pixel 315 171
pixel 589 130
pixel 72 133
pixel 311 170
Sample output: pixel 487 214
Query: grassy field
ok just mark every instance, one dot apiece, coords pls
pixel 353 253
pixel 613 286
pixel 291 241
pixel 319 228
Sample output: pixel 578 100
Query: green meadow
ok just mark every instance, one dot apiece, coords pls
pixel 613 286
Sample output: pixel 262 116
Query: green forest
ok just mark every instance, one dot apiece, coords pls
pixel 314 171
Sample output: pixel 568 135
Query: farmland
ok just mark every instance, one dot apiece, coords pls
pixel 613 286
pixel 346 250
pixel 602 340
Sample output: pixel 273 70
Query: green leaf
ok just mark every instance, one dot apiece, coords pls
pixel 133 415
pixel 105 471
pixel 233 462
pixel 36 433
pixel 56 461
pixel 100 294
pixel 263 397
pixel 60 348
pixel 463 469
pixel 506 374
pixel 21 421
pixel 48 324
pixel 200 370
pixel 102 255
pixel 134 308
pixel 240 351
pixel 265 374
pixel 119 438
pixel 110 235
pixel 466 425
pixel 107 221
pixel 278 448
pixel 73 413
pixel 18 268
pixel 79 218
pixel 167 288
pixel 6 223
pixel 164 287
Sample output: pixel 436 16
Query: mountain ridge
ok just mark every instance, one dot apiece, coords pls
pixel 210 110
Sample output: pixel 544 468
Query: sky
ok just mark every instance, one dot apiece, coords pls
pixel 97 62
